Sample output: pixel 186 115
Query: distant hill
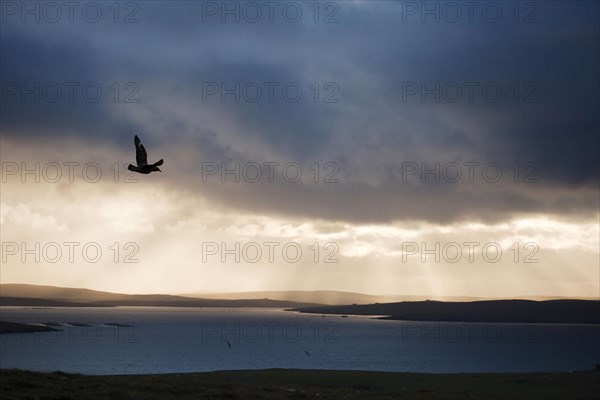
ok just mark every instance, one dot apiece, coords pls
pixel 332 297
pixel 53 296
pixel 525 311
pixel 323 302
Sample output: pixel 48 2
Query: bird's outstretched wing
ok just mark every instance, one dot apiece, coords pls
pixel 141 157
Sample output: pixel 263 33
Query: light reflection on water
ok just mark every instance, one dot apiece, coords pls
pixel 135 340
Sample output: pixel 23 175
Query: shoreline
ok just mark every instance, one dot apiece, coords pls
pixel 299 383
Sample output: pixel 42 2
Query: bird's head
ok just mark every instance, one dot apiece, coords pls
pixel 156 169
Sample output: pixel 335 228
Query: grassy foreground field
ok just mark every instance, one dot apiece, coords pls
pixel 300 384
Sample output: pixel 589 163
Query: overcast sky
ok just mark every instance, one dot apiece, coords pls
pixel 410 126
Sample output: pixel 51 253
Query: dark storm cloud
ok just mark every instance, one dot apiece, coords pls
pixel 371 55
pixel 55 87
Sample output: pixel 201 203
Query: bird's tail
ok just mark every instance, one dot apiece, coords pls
pixel 159 162
pixel 131 167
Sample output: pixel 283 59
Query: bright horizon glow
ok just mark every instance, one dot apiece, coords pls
pixel 170 227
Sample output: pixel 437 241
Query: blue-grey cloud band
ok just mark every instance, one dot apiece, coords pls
pixel 410 88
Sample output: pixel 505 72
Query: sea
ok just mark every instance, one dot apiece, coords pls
pixel 153 340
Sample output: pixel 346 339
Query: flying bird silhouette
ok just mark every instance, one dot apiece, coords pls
pixel 307 353
pixel 141 158
pixel 229 344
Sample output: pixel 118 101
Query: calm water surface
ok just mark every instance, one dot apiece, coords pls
pixel 136 340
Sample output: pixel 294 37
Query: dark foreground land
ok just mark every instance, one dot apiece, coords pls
pixel 300 384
